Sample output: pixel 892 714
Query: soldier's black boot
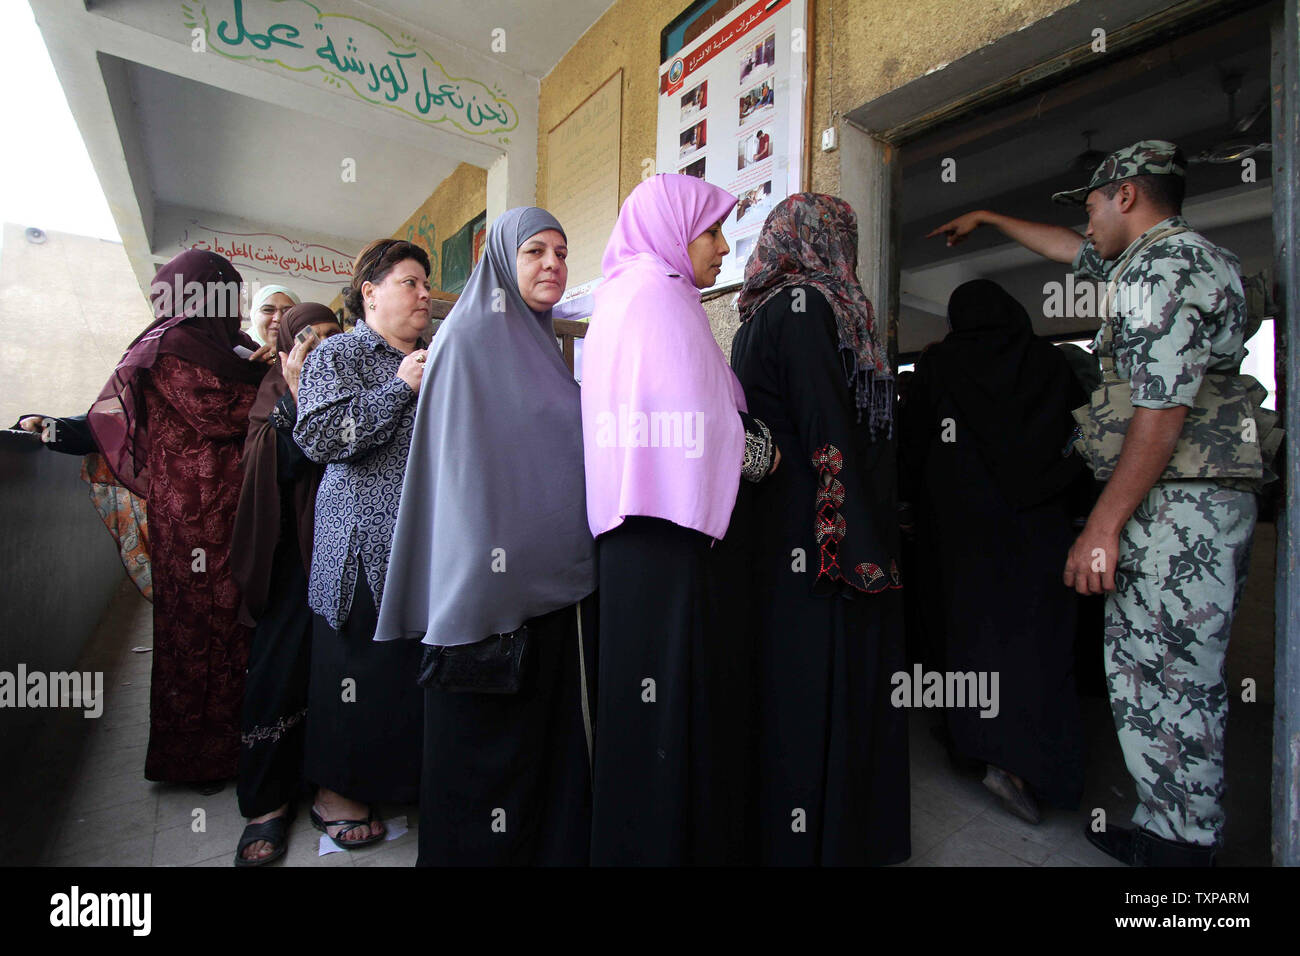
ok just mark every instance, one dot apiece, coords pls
pixel 1152 850
pixel 1139 847
pixel 1113 841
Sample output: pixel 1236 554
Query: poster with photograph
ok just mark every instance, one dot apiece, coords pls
pixel 731 112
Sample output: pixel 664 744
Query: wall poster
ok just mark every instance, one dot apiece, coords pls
pixel 461 253
pixel 731 112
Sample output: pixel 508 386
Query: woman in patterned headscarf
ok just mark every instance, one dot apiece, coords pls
pixel 832 748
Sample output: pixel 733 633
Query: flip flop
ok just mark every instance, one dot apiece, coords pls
pixel 348 826
pixel 274 831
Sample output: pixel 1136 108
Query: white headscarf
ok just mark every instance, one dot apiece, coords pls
pixel 264 293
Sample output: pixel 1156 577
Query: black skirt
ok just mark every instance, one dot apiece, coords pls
pixel 674 745
pixel 364 737
pixel 833 764
pixel 507 777
pixel 275 690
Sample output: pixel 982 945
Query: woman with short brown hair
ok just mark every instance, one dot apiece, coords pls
pixel 356 410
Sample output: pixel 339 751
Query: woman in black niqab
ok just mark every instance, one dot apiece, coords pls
pixel 985 434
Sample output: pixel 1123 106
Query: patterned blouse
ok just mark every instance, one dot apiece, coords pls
pixel 355 417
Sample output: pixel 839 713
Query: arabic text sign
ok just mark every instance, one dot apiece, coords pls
pixel 731 112
pixel 271 253
pixel 377 67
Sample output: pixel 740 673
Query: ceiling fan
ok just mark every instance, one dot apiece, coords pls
pixel 1090 158
pixel 1236 145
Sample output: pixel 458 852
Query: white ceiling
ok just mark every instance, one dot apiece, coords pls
pixel 246 158
pixel 537 35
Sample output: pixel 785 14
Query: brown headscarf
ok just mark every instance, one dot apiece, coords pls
pixel 257 520
pixel 202 328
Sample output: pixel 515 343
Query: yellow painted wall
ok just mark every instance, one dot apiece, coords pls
pixel 458 199
pixel 626 36
pixel 861 50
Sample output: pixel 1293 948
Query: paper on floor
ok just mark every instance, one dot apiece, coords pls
pixel 394 828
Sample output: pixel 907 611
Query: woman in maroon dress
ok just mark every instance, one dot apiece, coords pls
pixel 171 422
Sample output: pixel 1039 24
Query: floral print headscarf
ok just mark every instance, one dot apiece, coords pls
pixel 811 239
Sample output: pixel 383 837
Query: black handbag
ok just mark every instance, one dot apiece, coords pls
pixel 494 665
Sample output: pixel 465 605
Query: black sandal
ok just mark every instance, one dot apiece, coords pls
pixel 348 826
pixel 274 831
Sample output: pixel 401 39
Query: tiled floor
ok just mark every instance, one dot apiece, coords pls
pixel 90 804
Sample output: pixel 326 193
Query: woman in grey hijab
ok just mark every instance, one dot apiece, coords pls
pixel 491 562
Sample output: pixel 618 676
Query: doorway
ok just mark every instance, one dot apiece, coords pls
pixel 932 150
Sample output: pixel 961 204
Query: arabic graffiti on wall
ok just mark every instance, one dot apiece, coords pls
pixel 271 253
pixel 388 71
pixel 423 235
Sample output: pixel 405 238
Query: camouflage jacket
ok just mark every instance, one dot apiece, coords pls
pixel 1180 310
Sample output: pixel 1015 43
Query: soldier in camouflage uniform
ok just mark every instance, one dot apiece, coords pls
pixel 1172 554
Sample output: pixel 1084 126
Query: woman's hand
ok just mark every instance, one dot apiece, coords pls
pixel 291 366
pixel 776 458
pixel 32 423
pixel 265 354
pixel 411 371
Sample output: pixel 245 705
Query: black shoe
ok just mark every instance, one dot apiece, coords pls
pixel 1113 841
pixel 1139 847
pixel 1152 850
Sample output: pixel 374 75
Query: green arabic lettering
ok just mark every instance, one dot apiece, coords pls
pixel 270 31
pixel 483 111
pixel 345 64
pixel 426 99
pixel 396 81
pixel 261 41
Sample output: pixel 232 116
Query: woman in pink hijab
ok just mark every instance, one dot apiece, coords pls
pixel 665 441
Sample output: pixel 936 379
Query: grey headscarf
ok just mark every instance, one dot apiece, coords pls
pixel 492 527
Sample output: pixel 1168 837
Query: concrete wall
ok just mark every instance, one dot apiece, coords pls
pixel 60 568
pixel 68 308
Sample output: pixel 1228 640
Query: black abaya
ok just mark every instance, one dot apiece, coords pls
pixel 275 691
pixel 507 777
pixel 827 615
pixel 987 421
pixel 672 775
pixel 273 720
pixel 1000 601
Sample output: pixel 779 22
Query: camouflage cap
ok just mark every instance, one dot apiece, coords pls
pixel 1150 157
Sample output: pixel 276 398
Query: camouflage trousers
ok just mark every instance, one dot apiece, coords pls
pixel 1182 564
